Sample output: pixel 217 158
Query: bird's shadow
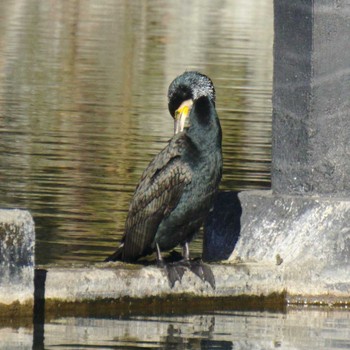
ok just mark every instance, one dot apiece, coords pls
pixel 222 227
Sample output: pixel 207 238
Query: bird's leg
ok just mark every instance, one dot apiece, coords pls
pixel 203 271
pixel 186 252
pixel 160 261
pixel 173 272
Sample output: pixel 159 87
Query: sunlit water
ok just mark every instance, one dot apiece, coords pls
pixel 83 106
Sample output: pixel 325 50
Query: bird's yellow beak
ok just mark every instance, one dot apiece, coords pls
pixel 181 117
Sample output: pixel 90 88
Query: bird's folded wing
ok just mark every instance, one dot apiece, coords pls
pixel 156 196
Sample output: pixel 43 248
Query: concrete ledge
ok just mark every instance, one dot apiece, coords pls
pixel 295 247
pixel 298 243
pixel 17 239
pixel 297 230
pixel 118 281
pixel 308 236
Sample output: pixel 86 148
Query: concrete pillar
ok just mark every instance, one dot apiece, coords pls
pixel 17 239
pixel 311 104
pixel 302 225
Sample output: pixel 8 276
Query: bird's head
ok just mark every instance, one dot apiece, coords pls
pixel 183 92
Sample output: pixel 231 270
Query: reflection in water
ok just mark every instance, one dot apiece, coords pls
pixel 83 106
pixel 306 328
pixel 298 329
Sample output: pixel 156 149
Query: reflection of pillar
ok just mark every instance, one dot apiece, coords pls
pixel 311 118
pixel 302 226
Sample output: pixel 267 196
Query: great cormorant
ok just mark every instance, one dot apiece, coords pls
pixel 177 189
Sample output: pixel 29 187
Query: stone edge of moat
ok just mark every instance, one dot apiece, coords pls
pixel 256 270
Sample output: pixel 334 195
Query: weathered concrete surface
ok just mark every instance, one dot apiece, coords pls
pixel 119 281
pixel 17 239
pixel 311 105
pixel 309 238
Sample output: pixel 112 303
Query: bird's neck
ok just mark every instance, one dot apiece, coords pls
pixel 208 137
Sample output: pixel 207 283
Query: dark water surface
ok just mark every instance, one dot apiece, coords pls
pixel 83 106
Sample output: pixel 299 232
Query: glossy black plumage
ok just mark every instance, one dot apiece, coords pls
pixel 177 189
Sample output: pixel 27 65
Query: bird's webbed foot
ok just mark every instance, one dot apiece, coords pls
pixel 173 270
pixel 197 266
pixel 174 273
pixel 202 270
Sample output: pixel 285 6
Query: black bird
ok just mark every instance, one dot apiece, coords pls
pixel 177 189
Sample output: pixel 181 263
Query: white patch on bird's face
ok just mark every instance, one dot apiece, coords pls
pixel 203 87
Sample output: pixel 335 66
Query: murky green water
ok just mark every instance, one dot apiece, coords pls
pixel 83 106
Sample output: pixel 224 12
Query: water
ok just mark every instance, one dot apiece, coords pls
pixel 305 328
pixel 231 330
pixel 83 106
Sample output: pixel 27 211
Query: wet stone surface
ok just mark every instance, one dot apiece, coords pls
pixel 17 240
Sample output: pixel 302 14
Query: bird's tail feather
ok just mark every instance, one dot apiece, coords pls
pixel 116 256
